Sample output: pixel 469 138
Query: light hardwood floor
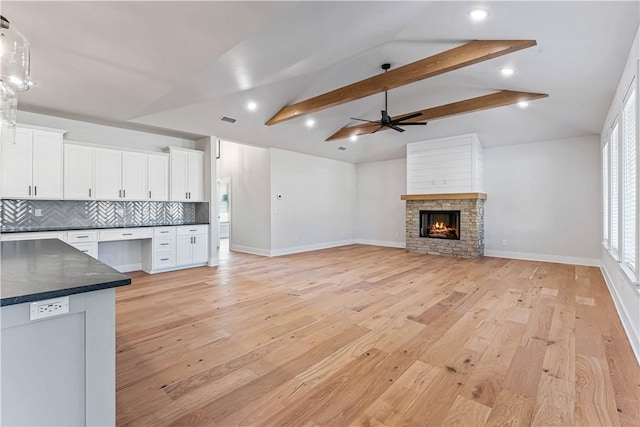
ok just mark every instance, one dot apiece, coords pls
pixel 363 335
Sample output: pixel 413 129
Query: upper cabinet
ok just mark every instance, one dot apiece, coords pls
pixel 32 165
pixel 158 177
pixel 108 174
pixel 187 175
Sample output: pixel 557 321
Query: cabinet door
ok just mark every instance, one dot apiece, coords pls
pixel 158 177
pixel 134 176
pixel 200 249
pixel 78 172
pixel 195 177
pixel 47 165
pixel 179 162
pixel 17 165
pixel 184 250
pixel 108 174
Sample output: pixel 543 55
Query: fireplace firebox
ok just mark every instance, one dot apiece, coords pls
pixel 440 224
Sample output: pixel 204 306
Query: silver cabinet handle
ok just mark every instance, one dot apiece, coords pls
pixel 119 193
pixel 163 232
pixel 164 259
pixel 82 237
pixel 89 192
pixel 193 230
pixel 29 190
pixel 164 244
pixel 149 193
pixel 186 195
pixel 35 190
pixel 127 234
pixel 124 194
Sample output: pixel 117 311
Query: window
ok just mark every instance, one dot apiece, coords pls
pixel 629 181
pixel 615 200
pixel 605 194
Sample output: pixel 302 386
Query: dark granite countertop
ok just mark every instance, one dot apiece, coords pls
pixel 92 227
pixel 33 270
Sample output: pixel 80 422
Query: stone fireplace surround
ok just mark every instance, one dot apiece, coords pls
pixel 471 207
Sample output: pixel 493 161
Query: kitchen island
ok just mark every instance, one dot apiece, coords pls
pixel 57 364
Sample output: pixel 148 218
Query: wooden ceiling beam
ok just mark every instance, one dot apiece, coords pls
pixel 497 99
pixel 453 59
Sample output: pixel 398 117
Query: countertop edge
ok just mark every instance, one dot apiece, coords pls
pixel 63 292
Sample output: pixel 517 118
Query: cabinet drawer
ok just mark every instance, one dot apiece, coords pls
pixel 82 236
pixel 9 237
pixel 125 234
pixel 90 248
pixel 164 231
pixel 163 244
pixel 191 230
pixel 164 261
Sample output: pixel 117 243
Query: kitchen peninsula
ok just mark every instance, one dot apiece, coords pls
pixel 58 335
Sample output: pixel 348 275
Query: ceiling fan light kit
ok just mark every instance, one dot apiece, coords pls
pixel 453 59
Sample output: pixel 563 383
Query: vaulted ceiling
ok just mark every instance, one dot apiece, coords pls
pixel 181 66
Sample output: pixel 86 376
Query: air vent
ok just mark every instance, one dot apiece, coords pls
pixel 342 148
pixel 228 119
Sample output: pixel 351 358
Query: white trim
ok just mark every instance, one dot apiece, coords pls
pixel 250 250
pixel 314 247
pixel 592 262
pixel 180 267
pixel 625 319
pixel 34 127
pixel 388 244
pixel 126 267
pixel 116 147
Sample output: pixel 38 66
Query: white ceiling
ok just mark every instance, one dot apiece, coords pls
pixel 182 65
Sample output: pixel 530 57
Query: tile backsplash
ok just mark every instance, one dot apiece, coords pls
pixel 18 215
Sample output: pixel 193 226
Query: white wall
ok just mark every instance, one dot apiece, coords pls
pixel 249 170
pixel 318 204
pixel 380 218
pixel 625 293
pixel 543 201
pixel 106 135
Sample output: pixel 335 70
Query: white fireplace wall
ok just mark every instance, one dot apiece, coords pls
pixel 543 201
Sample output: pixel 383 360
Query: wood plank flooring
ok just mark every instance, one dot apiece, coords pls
pixel 371 336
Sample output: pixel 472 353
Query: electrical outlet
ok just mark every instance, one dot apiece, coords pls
pixel 38 212
pixel 48 308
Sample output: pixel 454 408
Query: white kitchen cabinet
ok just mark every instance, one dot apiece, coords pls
pixel 32 165
pixel 120 175
pixel 158 177
pixel 191 245
pixel 187 175
pixel 78 172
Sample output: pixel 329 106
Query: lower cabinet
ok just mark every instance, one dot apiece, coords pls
pixel 192 245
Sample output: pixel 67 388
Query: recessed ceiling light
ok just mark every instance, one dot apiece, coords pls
pixel 310 123
pixel 354 137
pixel 251 106
pixel 523 104
pixel 506 71
pixel 478 14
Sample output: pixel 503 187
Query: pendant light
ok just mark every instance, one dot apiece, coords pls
pixel 14 74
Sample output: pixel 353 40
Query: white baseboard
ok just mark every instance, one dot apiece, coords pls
pixel 314 247
pixel 250 250
pixel 385 243
pixel 592 262
pixel 625 319
pixel 126 268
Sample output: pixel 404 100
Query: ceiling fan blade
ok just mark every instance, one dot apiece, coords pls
pixel 407 117
pixel 380 127
pixel 497 99
pixel 363 120
pixel 412 124
pixel 396 128
pixel 452 59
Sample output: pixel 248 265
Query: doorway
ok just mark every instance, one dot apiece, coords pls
pixel 224 213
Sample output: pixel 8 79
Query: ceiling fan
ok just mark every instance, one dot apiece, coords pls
pixel 389 122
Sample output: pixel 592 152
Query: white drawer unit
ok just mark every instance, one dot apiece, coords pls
pixel 84 236
pixel 164 244
pixel 164 232
pixel 192 230
pixel 125 234
pixel 164 261
pixel 89 248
